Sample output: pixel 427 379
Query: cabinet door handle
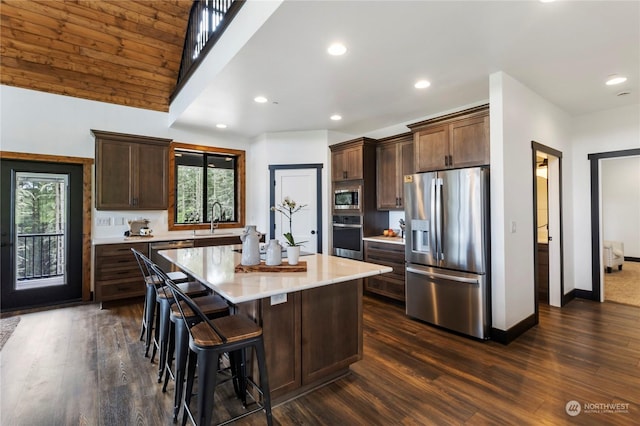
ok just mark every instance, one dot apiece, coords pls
pixel 446 160
pixel 399 201
pixel 451 160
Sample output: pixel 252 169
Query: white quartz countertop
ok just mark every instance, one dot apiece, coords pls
pixel 383 239
pixel 176 236
pixel 215 267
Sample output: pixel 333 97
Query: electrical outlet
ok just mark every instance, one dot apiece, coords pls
pixel 119 221
pixel 103 221
pixel 279 298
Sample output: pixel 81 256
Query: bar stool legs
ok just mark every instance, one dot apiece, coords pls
pixel 149 316
pixel 205 361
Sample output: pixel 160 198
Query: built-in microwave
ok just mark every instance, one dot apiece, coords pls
pixel 346 198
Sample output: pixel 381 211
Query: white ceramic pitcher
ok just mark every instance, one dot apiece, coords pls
pixel 250 246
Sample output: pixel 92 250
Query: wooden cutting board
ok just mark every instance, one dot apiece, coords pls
pixel 284 267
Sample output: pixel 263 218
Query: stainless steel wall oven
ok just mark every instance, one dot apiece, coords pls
pixel 347 236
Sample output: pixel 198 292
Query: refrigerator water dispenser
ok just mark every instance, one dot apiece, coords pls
pixel 420 236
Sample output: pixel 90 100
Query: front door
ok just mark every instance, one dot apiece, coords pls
pixel 301 186
pixel 41 237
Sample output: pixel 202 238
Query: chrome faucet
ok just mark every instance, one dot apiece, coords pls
pixel 214 222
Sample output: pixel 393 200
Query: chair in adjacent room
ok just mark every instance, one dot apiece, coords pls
pixel 613 255
pixel 152 282
pixel 208 341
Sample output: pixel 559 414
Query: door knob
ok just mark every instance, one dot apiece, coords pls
pixel 313 232
pixel 550 238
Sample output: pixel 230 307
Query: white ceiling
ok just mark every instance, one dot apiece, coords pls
pixel 563 51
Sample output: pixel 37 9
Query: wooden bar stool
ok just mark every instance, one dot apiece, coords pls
pixel 210 339
pixel 152 282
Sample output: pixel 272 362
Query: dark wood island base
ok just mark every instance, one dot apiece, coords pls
pixel 311 339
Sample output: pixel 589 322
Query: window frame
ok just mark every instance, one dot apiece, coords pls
pixel 240 185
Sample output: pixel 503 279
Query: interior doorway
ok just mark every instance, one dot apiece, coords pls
pixel 548 235
pixel 302 183
pixel 618 230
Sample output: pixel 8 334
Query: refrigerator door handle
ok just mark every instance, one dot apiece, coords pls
pixel 443 276
pixel 432 224
pixel 439 216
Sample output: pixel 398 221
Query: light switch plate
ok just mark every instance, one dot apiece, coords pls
pixel 103 221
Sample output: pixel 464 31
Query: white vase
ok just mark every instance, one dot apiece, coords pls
pixel 274 253
pixel 293 253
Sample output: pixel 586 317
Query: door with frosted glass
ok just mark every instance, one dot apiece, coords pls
pixel 41 233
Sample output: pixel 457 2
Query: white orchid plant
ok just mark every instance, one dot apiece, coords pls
pixel 288 207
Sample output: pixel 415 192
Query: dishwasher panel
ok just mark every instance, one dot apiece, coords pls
pixel 163 263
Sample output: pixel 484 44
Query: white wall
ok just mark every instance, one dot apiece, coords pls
pixel 620 195
pixel 518 116
pixel 43 123
pixel 612 130
pixel 310 147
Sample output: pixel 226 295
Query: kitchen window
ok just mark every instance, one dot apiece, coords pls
pixel 207 184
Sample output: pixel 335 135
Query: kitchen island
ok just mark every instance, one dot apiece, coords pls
pixel 311 320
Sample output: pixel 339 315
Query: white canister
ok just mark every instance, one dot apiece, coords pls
pixel 274 253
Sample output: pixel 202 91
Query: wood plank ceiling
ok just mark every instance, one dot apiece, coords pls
pixel 123 52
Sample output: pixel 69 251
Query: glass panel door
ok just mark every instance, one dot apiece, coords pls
pixel 40 212
pixel 41 218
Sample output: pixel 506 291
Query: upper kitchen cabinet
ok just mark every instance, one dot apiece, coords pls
pixel 131 172
pixel 394 159
pixel 455 140
pixel 348 159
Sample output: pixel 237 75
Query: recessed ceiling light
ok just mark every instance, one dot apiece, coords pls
pixel 337 49
pixel 422 84
pixel 336 117
pixel 615 79
pixel 221 126
pixel 260 99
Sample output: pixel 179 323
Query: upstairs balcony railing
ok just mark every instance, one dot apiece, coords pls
pixel 207 21
pixel 40 256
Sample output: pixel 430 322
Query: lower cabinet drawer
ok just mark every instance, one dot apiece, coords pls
pixel 119 290
pixel 386 287
pixel 390 284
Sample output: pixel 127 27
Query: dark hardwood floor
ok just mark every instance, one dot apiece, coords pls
pixel 82 365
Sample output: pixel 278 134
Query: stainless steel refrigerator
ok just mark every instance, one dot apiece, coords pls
pixel 447 249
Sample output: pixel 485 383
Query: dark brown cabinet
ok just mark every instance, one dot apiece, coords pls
pixel 311 338
pixel 131 172
pixel 347 164
pixel 452 141
pixel 117 274
pixel 388 254
pixel 353 160
pixel 394 159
